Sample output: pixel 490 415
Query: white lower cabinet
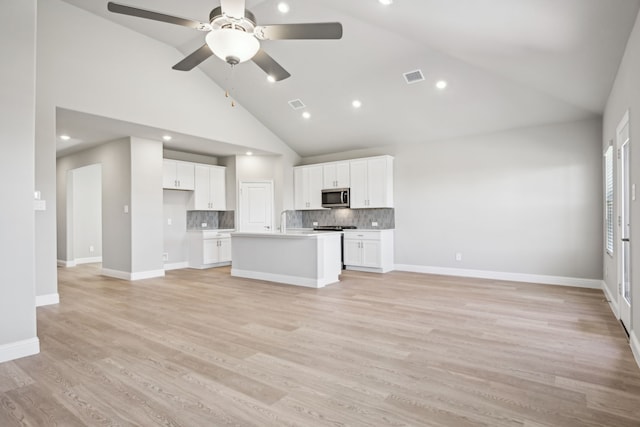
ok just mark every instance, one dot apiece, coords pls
pixel 369 250
pixel 209 249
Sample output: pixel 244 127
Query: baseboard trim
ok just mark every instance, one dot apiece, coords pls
pixel 89 260
pixel 635 346
pixel 18 349
pixel 176 266
pixel 306 282
pixel 498 275
pixel 125 275
pixel 64 263
pixel 49 299
pixel 613 301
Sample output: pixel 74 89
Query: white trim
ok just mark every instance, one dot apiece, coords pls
pixel 18 349
pixel 635 346
pixel 307 282
pixel 66 264
pixel 613 302
pixel 498 275
pixel 49 299
pixel 176 266
pixel 125 275
pixel 368 269
pixel 88 260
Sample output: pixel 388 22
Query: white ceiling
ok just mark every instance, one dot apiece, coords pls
pixel 508 64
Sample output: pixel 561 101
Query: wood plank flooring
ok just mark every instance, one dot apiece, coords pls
pixel 200 348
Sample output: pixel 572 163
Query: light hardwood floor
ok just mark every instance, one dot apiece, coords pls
pixel 200 348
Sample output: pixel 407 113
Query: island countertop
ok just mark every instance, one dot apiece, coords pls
pixel 289 234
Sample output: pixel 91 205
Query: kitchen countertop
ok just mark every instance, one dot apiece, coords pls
pixel 290 234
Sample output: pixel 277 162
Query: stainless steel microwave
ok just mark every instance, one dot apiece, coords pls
pixel 335 198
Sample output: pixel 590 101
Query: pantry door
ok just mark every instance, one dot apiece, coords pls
pixel 624 221
pixel 256 206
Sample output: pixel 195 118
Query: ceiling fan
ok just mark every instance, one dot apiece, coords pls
pixel 234 36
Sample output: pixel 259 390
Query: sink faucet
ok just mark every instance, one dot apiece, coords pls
pixel 283 221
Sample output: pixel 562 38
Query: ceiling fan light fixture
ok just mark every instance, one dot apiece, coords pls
pixel 232 45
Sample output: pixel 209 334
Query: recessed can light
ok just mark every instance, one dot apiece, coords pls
pixel 249 153
pixel 65 137
pixel 306 115
pixel 271 79
pixel 356 103
pixel 283 7
pixel 441 84
pixel 167 137
pixel 386 2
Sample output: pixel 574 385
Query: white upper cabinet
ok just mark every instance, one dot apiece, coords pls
pixel 336 175
pixel 177 175
pixel 308 184
pixel 372 182
pixel 210 189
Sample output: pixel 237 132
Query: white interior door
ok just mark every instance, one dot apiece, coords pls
pixel 256 206
pixel 624 221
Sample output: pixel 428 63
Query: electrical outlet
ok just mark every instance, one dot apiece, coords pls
pixel 458 256
pixel 91 249
pixel 126 209
pixel 315 223
pixel 374 223
pixel 165 256
pixel 203 225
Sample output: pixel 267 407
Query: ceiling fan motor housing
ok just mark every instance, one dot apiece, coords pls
pixel 219 20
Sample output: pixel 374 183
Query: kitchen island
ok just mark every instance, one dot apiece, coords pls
pixel 302 258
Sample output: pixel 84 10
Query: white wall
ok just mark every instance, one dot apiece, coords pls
pixel 624 96
pixel 526 201
pixel 87 213
pixel 92 65
pixel 17 115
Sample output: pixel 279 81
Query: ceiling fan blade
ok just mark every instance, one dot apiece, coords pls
pixel 155 16
pixel 270 66
pixel 318 30
pixel 194 59
pixel 233 8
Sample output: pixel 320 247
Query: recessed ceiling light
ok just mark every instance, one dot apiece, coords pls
pixel 271 79
pixel 306 115
pixel 167 137
pixel 249 153
pixel 386 2
pixel 65 137
pixel 441 84
pixel 283 7
pixel 356 103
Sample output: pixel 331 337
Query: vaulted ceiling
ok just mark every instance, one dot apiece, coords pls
pixel 507 64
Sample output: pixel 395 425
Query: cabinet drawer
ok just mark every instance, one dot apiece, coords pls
pixel 353 235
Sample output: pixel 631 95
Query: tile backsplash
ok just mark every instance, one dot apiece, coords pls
pixel 213 220
pixel 361 218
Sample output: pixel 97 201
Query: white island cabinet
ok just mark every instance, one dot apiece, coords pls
pixel 368 250
pixel 306 258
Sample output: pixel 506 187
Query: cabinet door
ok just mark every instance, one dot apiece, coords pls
pixel 185 175
pixel 378 176
pixel 298 186
pixel 343 175
pixel 217 188
pixel 352 252
pixel 371 253
pixel 336 175
pixel 169 179
pixel 209 251
pixel 359 192
pixel 314 188
pixel 224 249
pixel 202 190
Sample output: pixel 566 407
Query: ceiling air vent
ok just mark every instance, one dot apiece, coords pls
pixel 296 104
pixel 413 76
